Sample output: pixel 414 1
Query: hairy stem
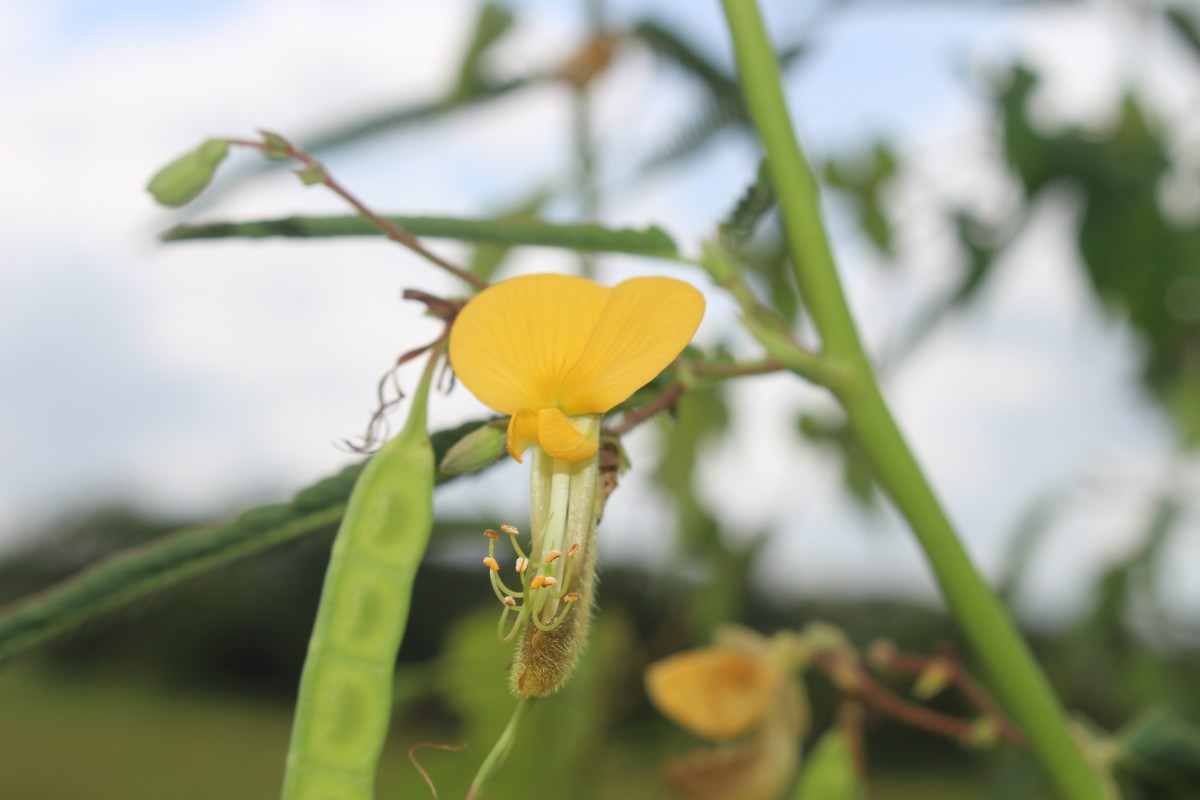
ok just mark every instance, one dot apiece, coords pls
pixel 1018 678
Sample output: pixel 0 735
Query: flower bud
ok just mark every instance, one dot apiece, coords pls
pixel 179 182
pixel 478 449
pixel 933 679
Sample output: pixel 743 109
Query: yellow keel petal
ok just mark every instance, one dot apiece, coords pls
pixel 522 432
pixel 559 438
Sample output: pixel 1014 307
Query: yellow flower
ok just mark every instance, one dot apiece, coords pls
pixel 543 348
pixel 740 693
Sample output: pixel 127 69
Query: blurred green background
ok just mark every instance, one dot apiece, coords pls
pixel 187 694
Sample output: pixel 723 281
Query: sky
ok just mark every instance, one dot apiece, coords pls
pixel 191 380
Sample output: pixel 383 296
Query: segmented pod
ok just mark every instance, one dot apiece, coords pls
pixel 344 702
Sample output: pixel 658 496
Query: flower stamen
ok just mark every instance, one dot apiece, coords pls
pixel 532 578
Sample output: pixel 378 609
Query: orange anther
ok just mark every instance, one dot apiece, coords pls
pixel 572 550
pixel 511 530
pixel 491 534
pixel 553 554
pixel 491 564
pixel 572 597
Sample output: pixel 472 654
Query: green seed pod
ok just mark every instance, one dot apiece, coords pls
pixel 480 448
pixel 345 698
pixel 181 181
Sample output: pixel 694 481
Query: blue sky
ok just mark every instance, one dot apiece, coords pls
pixel 194 379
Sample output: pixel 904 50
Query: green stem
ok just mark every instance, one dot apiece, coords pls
pixel 1016 675
pixel 582 130
pixel 500 751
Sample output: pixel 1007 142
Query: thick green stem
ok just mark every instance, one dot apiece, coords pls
pixel 1013 670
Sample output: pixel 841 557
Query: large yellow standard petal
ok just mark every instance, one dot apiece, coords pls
pixel 515 342
pixel 645 324
pixel 543 343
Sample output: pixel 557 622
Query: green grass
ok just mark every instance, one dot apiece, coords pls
pixel 114 738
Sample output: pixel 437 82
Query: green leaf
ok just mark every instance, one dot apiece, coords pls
pixel 181 181
pixel 493 22
pixel 1187 26
pixel 669 45
pixel 132 574
pixel 830 772
pixel 559 739
pixel 857 472
pixel 862 177
pixel 652 241
pixel 712 119
pixel 1161 751
pixel 755 203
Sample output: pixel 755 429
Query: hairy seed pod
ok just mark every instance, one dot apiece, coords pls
pixel 546 659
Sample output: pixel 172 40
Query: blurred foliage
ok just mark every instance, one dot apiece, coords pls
pixel 830 773
pixel 245 628
pixel 1141 263
pixel 1160 757
pixel 862 178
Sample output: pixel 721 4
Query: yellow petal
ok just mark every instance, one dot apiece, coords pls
pixel 717 693
pixel 522 432
pixel 559 438
pixel 759 767
pixel 645 324
pixel 514 343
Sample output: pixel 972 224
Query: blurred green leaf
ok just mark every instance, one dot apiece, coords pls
pixel 1141 264
pixel 1161 753
pixel 692 136
pixel 1187 26
pixel 132 574
pixel 1032 528
pixel 857 474
pixel 756 202
pixel 862 177
pixel 687 56
pixel 829 773
pixel 702 416
pixel 652 241
pixel 556 737
pixel 493 22
pixel 723 108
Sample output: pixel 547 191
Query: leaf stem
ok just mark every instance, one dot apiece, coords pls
pixel 1012 668
pixel 389 228
pixel 717 369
